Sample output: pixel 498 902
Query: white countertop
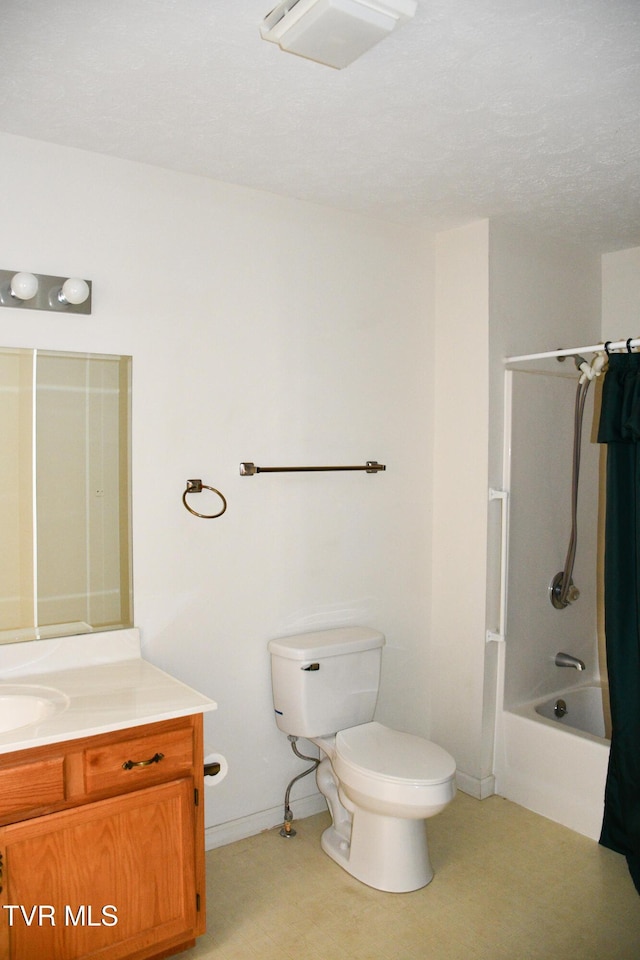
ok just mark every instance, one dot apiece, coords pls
pixel 97 697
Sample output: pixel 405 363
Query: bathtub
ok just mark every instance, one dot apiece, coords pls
pixel 556 765
pixel 584 710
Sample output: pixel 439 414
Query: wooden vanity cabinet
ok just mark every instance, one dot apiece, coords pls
pixel 102 845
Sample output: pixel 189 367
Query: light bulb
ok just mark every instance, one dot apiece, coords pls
pixel 74 291
pixel 24 286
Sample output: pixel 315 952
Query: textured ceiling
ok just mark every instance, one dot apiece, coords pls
pixel 521 110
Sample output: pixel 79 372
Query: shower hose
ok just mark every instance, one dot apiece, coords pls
pixel 567 573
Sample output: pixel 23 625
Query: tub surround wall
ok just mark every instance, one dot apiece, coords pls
pixel 540 526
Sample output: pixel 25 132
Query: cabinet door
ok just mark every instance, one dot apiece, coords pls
pixel 111 879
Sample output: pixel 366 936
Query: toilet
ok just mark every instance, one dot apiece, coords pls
pixel 381 785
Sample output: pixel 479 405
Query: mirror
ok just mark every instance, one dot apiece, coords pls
pixel 65 494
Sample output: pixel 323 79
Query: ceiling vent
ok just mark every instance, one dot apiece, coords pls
pixel 334 32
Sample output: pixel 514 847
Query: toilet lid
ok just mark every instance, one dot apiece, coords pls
pixel 391 755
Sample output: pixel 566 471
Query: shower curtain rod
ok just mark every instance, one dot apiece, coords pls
pixel 594 348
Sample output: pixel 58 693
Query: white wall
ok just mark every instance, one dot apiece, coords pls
pixel 261 329
pixel 621 294
pixel 460 496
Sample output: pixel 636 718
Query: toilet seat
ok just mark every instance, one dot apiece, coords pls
pixel 380 753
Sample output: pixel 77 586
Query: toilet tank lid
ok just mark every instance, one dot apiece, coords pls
pixel 326 643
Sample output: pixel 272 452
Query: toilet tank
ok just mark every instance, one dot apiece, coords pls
pixel 325 681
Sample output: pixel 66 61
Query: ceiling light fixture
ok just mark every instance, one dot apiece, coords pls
pixel 37 291
pixel 334 32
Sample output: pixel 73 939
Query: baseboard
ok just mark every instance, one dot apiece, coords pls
pixel 476 787
pixel 224 833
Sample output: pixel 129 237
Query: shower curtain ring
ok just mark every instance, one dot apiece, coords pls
pixel 606 348
pixel 629 350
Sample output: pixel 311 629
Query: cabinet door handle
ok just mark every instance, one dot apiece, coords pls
pixel 129 764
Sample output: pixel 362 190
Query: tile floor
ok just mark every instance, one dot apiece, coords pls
pixel 508 885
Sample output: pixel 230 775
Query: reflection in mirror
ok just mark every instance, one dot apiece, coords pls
pixel 65 514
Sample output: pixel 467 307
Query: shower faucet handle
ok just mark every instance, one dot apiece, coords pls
pixel 555 592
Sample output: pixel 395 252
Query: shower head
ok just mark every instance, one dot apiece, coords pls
pixel 590 370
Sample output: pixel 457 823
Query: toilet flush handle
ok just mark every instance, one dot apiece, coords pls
pixel 311 666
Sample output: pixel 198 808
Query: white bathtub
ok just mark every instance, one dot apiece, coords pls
pixel 584 710
pixel 556 766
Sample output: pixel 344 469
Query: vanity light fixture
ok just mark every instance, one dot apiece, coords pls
pixel 334 32
pixel 37 291
pixel 73 291
pixel 23 286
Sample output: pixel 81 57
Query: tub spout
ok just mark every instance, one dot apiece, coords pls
pixel 566 660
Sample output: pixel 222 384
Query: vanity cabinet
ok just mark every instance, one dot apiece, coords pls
pixel 102 845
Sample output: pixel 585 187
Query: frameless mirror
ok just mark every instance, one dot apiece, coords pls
pixel 65 503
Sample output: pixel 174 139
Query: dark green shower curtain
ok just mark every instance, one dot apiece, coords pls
pixel 620 430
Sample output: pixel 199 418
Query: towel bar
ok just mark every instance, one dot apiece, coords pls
pixel 249 469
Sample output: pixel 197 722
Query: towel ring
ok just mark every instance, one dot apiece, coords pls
pixel 197 486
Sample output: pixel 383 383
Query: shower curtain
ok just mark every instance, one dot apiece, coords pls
pixel 620 429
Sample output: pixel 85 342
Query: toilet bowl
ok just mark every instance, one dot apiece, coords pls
pixel 393 773
pixel 381 785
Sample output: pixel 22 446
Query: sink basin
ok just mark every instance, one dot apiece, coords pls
pixel 23 705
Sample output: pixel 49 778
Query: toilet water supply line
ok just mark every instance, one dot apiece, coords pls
pixel 287 830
